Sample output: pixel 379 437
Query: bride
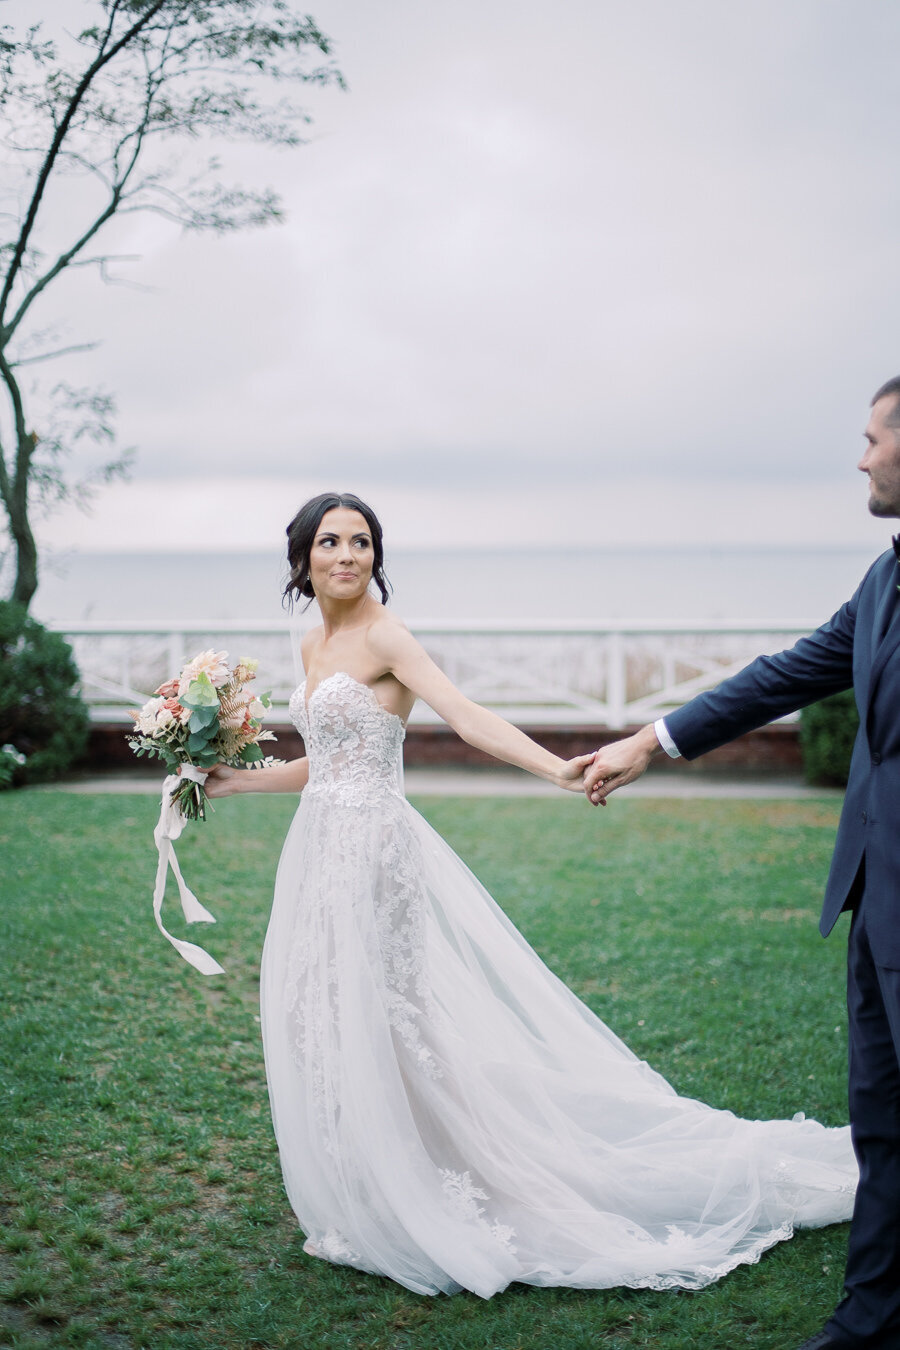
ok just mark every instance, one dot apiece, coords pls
pixel 447 1112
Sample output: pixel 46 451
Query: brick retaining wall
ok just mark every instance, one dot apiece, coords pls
pixel 772 750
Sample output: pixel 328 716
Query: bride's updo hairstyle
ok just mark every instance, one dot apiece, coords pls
pixel 302 532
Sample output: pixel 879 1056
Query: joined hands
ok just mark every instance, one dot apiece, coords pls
pixel 571 775
pixel 619 763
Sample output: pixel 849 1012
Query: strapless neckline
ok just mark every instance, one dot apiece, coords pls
pixel 345 675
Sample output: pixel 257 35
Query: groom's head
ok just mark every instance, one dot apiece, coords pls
pixel 881 457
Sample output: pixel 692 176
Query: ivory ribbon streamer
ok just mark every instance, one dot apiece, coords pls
pixel 171 823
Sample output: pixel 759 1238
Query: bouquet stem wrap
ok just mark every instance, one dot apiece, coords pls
pixel 171 823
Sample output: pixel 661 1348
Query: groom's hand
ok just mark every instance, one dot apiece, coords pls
pixel 620 763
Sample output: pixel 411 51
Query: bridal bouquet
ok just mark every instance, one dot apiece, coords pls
pixel 206 715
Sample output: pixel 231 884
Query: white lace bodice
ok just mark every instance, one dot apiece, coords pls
pixel 355 746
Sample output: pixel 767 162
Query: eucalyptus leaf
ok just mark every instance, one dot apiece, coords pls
pixel 201 693
pixel 251 753
pixel 203 717
pixel 198 740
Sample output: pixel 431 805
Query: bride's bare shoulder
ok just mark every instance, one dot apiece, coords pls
pixel 309 642
pixel 386 632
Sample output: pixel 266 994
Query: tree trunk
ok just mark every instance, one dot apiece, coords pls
pixel 26 564
pixel 15 499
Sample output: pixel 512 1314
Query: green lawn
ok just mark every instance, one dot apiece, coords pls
pixel 140 1189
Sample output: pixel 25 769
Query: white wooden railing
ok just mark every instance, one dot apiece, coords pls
pixel 565 674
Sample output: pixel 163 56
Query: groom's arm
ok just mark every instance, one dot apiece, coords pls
pixel 767 689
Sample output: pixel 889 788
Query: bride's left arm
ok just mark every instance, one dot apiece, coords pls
pixel 408 661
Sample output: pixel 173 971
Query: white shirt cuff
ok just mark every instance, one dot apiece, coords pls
pixel 665 740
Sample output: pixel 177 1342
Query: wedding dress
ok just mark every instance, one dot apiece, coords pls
pixel 447 1112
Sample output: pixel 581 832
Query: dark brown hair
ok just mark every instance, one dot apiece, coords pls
pixel 302 531
pixel 890 387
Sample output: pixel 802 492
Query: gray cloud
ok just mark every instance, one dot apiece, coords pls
pixel 596 241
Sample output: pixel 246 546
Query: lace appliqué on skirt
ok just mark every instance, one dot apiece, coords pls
pixel 449 1114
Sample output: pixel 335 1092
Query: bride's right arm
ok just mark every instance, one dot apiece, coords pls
pixel 290 777
pixel 408 661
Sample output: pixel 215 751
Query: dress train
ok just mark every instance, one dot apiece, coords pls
pixel 447 1112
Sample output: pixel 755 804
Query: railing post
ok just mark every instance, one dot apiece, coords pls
pixel 615 682
pixel 176 652
pixel 668 678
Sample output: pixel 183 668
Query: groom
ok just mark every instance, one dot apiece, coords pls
pixel 859 647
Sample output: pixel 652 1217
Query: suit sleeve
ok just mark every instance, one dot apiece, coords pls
pixel 770 687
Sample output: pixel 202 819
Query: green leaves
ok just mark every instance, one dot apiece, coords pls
pixel 142 746
pixel 203 702
pixel 42 713
pixel 251 753
pixel 203 718
pixel 201 693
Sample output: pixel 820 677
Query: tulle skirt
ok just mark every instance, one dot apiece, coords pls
pixel 450 1115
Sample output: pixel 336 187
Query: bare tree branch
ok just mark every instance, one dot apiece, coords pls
pixel 65 258
pixel 152 73
pixel 84 83
pixel 51 356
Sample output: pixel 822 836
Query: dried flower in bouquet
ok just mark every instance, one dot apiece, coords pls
pixel 206 715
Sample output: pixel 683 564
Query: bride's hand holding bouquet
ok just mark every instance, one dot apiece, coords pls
pixel 221 781
pixel 205 718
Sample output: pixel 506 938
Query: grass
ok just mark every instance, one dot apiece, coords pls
pixel 140 1189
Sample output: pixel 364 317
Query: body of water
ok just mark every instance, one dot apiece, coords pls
pixel 700 585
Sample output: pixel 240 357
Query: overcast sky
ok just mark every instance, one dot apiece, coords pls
pixel 594 271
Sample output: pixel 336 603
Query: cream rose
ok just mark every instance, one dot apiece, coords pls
pixel 209 663
pixel 146 718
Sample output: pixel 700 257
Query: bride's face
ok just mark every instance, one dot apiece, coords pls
pixel 341 557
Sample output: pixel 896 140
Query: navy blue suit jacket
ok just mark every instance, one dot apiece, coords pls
pixel 857 648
